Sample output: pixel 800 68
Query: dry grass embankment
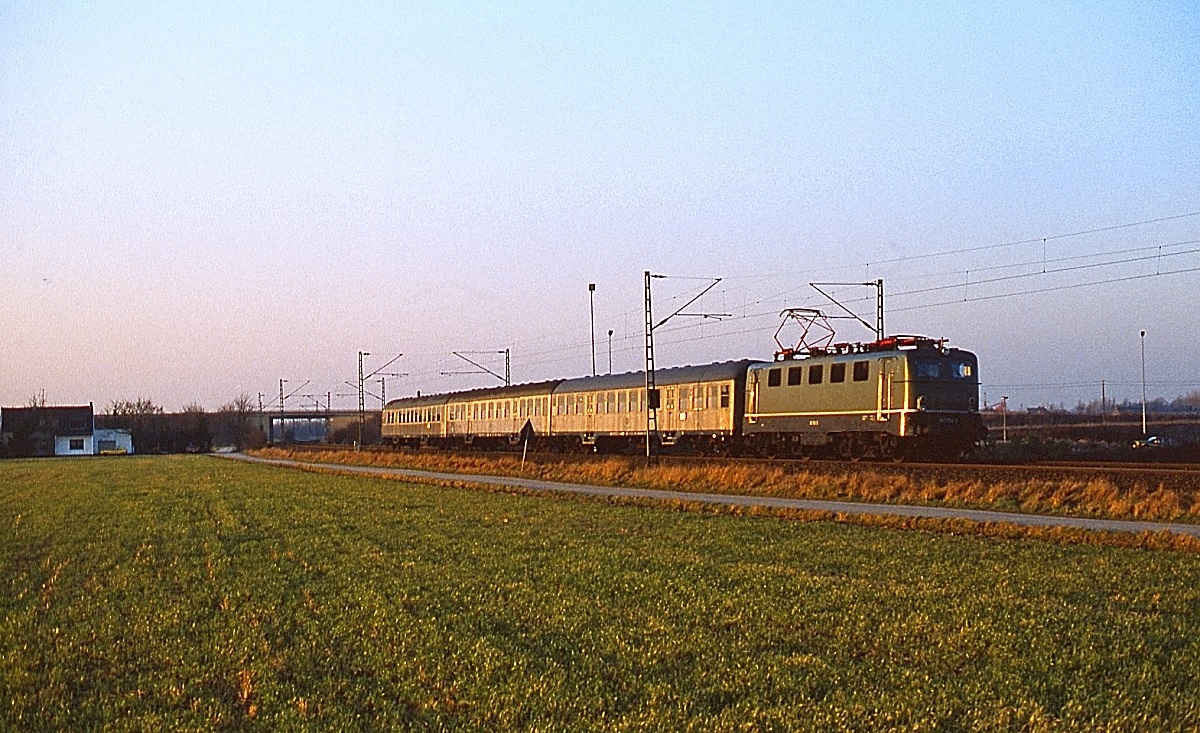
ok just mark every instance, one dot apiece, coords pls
pixel 1085 496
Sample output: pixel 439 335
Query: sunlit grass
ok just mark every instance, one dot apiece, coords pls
pixel 192 593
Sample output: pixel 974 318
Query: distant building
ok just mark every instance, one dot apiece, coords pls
pixel 47 431
pixel 111 442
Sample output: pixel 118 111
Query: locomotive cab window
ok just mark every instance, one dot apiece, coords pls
pixel 961 370
pixel 928 370
pixel 816 373
pixel 774 377
pixel 837 372
pixel 795 376
pixel 862 370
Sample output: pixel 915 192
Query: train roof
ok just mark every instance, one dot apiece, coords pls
pixel 483 393
pixel 717 371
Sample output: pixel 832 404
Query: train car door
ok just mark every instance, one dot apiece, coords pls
pixel 888 384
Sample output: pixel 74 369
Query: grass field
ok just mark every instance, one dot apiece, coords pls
pixel 191 593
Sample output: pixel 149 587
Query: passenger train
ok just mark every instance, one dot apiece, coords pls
pixel 902 396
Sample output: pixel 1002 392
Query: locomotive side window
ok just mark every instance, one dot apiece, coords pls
pixel 795 376
pixel 774 376
pixel 862 370
pixel 816 373
pixel 961 370
pixel 837 372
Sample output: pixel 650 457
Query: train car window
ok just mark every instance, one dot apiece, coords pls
pixel 710 398
pixel 537 407
pixel 622 401
pixel 774 377
pixel 961 370
pixel 862 370
pixel 928 370
pixel 837 372
pixel 795 376
pixel 684 396
pixel 591 403
pixel 724 396
pixel 611 399
pixel 816 373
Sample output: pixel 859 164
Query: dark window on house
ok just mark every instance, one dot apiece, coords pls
pixel 795 375
pixel 862 369
pixel 76 443
pixel 816 373
pixel 774 377
pixel 837 372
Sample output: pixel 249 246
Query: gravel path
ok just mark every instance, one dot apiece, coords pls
pixel 844 507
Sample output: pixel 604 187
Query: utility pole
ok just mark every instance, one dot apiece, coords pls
pixel 362 401
pixel 270 432
pixel 362 405
pixel 1143 384
pixel 281 398
pixel 652 393
pixel 651 388
pixel 610 333
pixel 1004 418
pixel 1103 406
pixel 592 310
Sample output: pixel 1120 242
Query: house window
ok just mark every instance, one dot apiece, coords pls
pixel 837 372
pixel 774 377
pixel 816 374
pixel 862 369
pixel 76 443
pixel 795 375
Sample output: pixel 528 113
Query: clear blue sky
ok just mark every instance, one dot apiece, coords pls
pixel 198 201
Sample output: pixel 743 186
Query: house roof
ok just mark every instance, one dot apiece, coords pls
pixel 60 420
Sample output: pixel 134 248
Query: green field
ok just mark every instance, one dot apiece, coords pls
pixel 193 593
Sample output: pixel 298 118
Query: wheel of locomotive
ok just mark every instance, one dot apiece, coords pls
pixel 888 447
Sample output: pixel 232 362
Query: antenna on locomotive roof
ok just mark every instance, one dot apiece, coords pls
pixel 878 285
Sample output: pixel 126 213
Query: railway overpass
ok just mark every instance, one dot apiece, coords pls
pixel 316 426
